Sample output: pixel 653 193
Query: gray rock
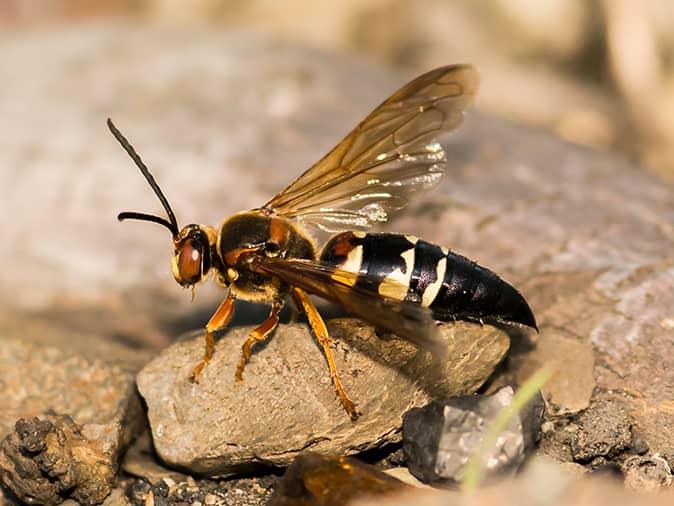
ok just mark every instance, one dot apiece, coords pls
pixel 140 461
pixel 440 438
pixel 286 403
pixel 102 413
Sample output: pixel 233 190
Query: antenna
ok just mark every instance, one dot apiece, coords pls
pixel 171 223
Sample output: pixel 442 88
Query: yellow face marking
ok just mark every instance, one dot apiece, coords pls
pixel 412 238
pixel 396 284
pixel 359 234
pixel 433 289
pixel 174 268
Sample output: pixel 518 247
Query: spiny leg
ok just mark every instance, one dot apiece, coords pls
pixel 218 321
pixel 259 334
pixel 323 338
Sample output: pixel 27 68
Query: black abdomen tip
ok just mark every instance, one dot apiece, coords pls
pixel 512 307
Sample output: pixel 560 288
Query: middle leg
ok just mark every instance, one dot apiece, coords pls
pixel 221 318
pixel 259 334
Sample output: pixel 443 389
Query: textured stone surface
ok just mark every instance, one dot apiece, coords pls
pixel 604 430
pixel 287 404
pixel 647 474
pixel 98 393
pixel 103 411
pixel 47 460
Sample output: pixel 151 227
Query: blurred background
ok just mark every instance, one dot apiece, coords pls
pixel 596 72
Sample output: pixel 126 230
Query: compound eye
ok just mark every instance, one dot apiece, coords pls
pixel 189 261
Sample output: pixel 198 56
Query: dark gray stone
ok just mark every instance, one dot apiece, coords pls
pixel 440 438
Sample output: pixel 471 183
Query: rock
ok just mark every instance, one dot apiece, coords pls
pixel 648 474
pixel 604 430
pixel 594 436
pixel 61 409
pixel 315 480
pixel 531 416
pixel 286 403
pixel 439 439
pixel 403 474
pixel 46 460
pixel 541 463
pixel 572 384
pixel 140 460
pixel 117 498
pixel 557 435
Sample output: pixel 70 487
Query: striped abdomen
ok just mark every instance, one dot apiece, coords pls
pixel 451 285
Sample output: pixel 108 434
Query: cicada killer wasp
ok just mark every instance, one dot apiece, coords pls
pixel 397 282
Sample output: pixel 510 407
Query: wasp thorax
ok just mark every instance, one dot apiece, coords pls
pixel 192 256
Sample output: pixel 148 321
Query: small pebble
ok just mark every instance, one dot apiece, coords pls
pixel 667 323
pixel 210 499
pixel 149 499
pixel 138 490
pixel 638 445
pixel 161 489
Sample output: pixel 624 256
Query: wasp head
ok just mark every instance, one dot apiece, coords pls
pixel 192 254
pixel 192 245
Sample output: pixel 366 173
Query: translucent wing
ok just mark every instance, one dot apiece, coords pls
pixel 405 319
pixel 388 156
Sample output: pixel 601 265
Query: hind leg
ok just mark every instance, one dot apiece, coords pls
pixel 321 332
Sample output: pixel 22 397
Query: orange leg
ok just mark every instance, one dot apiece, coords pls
pixel 218 321
pixel 259 334
pixel 323 338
